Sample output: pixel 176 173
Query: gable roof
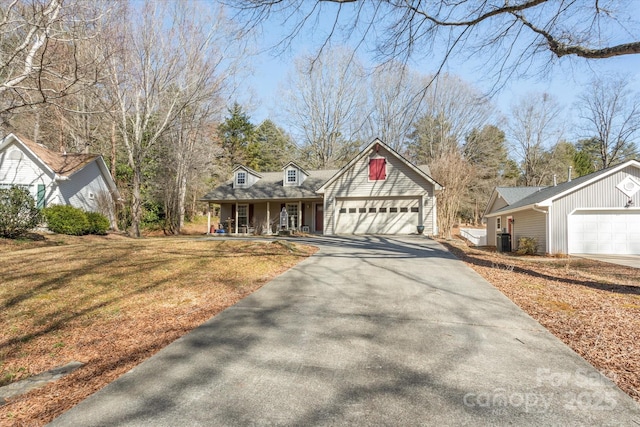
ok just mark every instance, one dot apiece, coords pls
pixel 513 194
pixel 60 163
pixel 547 195
pixel 248 169
pixel 365 151
pixel 297 166
pixel 271 187
pixel 510 195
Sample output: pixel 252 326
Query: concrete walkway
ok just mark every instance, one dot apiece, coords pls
pixel 626 260
pixel 369 331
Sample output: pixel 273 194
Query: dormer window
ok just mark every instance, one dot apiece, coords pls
pixel 377 169
pixel 292 176
pixel 241 178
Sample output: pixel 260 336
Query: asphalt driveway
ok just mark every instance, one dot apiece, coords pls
pixel 369 331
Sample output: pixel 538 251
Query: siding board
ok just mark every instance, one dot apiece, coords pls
pixel 600 194
pixel 401 182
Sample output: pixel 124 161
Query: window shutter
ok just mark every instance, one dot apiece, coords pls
pixel 40 200
pixel 377 169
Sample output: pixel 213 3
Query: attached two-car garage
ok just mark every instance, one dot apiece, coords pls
pixel 377 216
pixel 604 232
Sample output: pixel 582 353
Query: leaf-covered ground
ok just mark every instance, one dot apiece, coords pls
pixel 593 307
pixel 110 302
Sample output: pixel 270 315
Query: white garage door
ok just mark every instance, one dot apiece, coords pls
pixel 399 216
pixel 605 232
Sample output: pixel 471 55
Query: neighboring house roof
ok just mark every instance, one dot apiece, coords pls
pixel 270 187
pixel 510 195
pixel 62 164
pixel 547 195
pixel 365 152
pixel 513 194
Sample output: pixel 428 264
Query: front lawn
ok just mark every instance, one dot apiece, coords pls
pixel 110 302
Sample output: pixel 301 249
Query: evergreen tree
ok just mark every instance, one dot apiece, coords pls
pixel 236 134
pixel 485 150
pixel 271 148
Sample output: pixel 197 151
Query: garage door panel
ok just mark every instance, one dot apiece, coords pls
pixel 377 216
pixel 604 232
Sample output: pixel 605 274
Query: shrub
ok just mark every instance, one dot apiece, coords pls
pixel 98 223
pixel 18 212
pixel 527 246
pixel 64 219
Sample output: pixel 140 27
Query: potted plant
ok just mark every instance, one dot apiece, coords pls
pixel 420 229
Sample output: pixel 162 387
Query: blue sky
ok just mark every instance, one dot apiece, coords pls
pixel 565 79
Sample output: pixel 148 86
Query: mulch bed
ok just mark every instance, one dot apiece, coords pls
pixel 593 307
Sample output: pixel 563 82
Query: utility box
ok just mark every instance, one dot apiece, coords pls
pixel 503 242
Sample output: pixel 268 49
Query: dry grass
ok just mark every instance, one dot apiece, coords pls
pixel 593 307
pixel 111 302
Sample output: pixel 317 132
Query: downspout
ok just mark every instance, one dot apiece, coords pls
pixel 548 229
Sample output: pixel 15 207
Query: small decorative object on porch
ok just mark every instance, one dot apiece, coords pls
pixel 284 219
pixel 420 229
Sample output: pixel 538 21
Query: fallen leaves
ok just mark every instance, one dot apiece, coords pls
pixel 593 307
pixel 112 303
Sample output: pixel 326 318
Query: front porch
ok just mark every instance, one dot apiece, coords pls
pixel 268 217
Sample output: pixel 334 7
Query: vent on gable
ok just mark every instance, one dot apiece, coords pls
pixel 628 186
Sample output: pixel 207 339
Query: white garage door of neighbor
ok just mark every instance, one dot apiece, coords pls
pixel 377 216
pixel 605 232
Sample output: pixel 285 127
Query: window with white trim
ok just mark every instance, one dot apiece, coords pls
pixel 292 176
pixel 241 178
pixel 243 215
pixel 498 225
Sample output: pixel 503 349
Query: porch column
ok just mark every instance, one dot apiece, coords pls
pixel 299 219
pixel 434 219
pixel 268 219
pixel 209 218
pixel 236 219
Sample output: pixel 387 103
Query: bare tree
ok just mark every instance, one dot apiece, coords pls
pixel 510 34
pixel 396 95
pixel 610 115
pixel 40 43
pixel 453 171
pixel 326 105
pixel 187 150
pixel 170 63
pixel 451 109
pixel 535 126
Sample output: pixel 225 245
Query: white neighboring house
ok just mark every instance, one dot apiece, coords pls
pixel 597 213
pixel 52 178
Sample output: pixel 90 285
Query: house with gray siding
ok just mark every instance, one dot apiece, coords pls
pixel 597 213
pixel 377 192
pixel 54 178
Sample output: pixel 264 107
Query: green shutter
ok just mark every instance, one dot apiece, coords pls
pixel 40 196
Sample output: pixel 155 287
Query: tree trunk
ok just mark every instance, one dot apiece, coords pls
pixel 136 203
